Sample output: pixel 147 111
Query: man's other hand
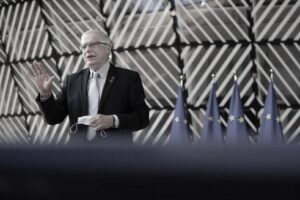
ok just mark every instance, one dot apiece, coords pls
pixel 102 121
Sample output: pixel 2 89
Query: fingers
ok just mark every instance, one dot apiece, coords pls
pixel 33 69
pixel 93 120
pixel 101 122
pixel 43 82
pixel 41 68
pixel 37 69
pixel 49 81
pixel 96 124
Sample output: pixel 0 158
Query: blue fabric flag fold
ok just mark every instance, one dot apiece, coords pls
pixel 212 130
pixel 236 129
pixel 270 131
pixel 179 132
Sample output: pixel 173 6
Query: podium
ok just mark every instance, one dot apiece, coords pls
pixel 135 172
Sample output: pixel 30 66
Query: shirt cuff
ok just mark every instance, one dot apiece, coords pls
pixel 116 121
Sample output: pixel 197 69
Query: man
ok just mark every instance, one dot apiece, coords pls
pixel 113 96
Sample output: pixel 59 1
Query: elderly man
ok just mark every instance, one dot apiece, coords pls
pixel 109 100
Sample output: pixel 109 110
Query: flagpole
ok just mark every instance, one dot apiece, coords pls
pixel 213 78
pixel 234 76
pixel 182 82
pixel 271 75
pixel 182 78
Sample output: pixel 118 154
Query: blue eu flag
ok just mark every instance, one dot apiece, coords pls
pixel 212 130
pixel 236 128
pixel 179 131
pixel 270 129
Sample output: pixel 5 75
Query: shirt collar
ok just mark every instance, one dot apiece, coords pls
pixel 102 71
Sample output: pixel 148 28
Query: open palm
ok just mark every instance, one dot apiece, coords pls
pixel 41 78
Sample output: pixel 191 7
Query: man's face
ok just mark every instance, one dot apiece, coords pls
pixel 95 52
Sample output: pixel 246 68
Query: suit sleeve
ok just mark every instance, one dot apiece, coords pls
pixel 53 110
pixel 138 116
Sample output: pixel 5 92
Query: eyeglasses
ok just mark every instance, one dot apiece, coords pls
pixel 92 45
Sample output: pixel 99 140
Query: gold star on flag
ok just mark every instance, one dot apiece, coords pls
pixel 278 119
pixel 210 118
pixel 241 119
pixel 268 116
pixel 231 117
pixel 185 121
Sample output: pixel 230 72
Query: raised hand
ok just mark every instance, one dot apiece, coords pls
pixel 41 79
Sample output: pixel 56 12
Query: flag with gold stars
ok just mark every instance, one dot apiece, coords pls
pixel 236 128
pixel 270 131
pixel 179 132
pixel 212 130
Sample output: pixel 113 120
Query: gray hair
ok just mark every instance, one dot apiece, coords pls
pixel 103 36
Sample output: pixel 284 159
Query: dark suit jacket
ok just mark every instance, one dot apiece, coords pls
pixel 122 95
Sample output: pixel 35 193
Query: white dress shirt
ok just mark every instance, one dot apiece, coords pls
pixel 103 74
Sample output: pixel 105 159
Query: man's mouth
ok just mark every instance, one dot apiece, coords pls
pixel 90 57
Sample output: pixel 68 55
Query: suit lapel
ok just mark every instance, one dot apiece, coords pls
pixel 84 91
pixel 110 79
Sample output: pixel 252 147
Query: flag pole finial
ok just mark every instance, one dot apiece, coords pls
pixel 271 74
pixel 234 76
pixel 213 78
pixel 182 80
